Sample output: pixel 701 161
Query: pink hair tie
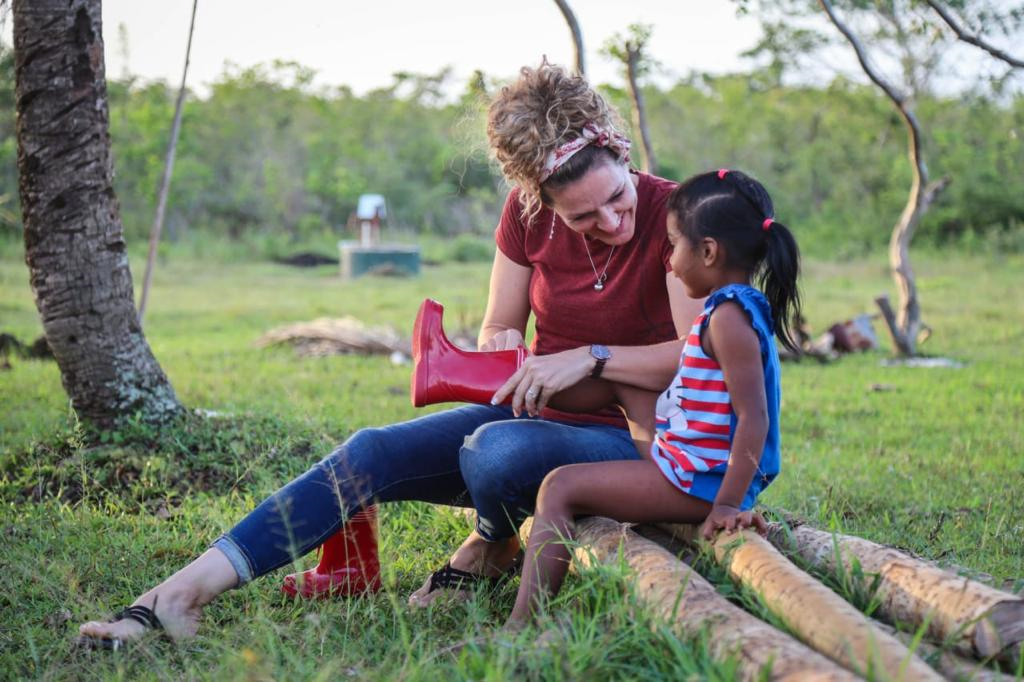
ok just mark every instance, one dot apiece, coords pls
pixel 767 223
pixel 722 173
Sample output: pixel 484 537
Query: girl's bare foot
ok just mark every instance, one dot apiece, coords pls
pixel 476 556
pixel 177 602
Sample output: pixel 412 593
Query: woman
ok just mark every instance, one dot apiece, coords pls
pixel 582 246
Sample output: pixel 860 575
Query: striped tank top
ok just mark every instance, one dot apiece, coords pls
pixel 694 419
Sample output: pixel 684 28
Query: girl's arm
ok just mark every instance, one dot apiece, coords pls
pixel 508 305
pixel 734 344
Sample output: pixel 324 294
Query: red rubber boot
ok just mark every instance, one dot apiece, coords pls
pixel 443 372
pixel 348 566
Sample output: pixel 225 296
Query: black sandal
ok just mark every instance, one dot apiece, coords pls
pixel 453 578
pixel 143 615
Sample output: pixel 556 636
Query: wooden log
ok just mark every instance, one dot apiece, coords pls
pixel 817 615
pixel 677 593
pixel 948 663
pixel 976 619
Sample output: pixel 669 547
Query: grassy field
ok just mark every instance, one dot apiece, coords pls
pixel 927 459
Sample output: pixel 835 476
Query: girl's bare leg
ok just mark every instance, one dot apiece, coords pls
pixel 637 404
pixel 634 492
pixel 178 601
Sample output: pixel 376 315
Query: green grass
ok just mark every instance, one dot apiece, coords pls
pixel 933 464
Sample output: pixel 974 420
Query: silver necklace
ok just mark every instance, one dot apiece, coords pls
pixel 599 280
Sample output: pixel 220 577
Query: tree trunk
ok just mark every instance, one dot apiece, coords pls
pixel 633 56
pixel 577 35
pixel 908 321
pixel 165 181
pixel 979 620
pixel 819 616
pixel 693 606
pixel 74 240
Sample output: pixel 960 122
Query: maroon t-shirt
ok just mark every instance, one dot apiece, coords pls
pixel 633 308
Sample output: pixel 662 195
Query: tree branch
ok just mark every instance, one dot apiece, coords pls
pixel 977 41
pixel 577 35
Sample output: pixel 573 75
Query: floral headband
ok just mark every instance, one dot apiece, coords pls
pixel 592 134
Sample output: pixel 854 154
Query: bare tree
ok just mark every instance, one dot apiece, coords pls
pixel 577 35
pixel 165 181
pixel 905 326
pixel 74 240
pixel 630 50
pixel 972 39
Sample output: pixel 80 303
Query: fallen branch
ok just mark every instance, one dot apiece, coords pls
pixel 977 619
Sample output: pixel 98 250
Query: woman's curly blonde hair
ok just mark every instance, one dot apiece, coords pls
pixel 545 108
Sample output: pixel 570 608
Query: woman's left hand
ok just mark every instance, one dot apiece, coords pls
pixel 542 376
pixel 728 518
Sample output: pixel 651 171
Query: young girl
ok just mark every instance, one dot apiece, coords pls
pixel 717 425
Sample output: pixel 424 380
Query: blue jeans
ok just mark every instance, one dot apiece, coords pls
pixel 477 455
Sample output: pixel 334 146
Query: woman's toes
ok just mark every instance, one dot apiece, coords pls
pixel 124 630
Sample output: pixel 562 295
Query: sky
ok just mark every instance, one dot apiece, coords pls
pixel 360 44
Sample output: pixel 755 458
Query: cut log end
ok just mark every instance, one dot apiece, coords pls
pixel 1002 632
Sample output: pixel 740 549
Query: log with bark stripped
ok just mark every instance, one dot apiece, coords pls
pixel 677 593
pixel 817 615
pixel 977 619
pixel 693 606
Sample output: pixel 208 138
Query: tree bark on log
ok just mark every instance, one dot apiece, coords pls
pixel 677 593
pixel 74 240
pixel 819 616
pixel 979 620
pixel 922 193
pixel 577 35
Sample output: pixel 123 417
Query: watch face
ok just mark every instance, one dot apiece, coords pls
pixel 600 352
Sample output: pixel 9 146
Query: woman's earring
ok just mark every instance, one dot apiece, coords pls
pixel 551 234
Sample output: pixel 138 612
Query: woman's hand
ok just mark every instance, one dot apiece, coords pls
pixel 541 377
pixel 728 518
pixel 506 339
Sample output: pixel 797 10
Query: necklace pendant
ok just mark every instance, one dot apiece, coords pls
pixel 599 286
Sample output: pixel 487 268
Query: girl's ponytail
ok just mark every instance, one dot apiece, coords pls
pixel 778 280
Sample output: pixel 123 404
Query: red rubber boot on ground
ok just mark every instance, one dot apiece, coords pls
pixel 444 373
pixel 348 566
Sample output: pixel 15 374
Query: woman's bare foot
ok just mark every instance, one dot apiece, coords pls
pixel 177 602
pixel 477 556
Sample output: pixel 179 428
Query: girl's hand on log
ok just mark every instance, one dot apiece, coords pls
pixel 541 377
pixel 728 518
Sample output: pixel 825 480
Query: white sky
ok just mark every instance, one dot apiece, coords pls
pixel 360 43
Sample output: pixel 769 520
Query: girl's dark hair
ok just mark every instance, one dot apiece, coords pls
pixel 731 207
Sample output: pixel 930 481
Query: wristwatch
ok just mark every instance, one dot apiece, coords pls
pixel 602 355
